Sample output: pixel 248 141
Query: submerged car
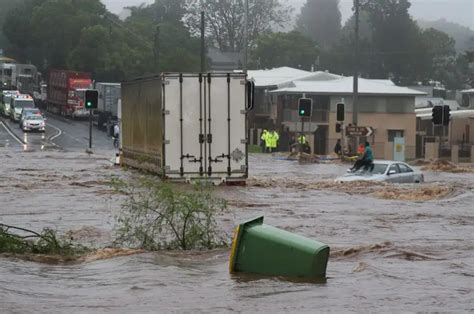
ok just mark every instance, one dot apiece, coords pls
pixel 33 123
pixel 385 171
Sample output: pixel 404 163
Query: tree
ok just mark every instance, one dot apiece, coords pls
pixel 291 49
pixel 441 53
pixel 321 21
pixel 82 35
pixel 178 50
pixel 226 20
pixel 6 7
pixel 398 50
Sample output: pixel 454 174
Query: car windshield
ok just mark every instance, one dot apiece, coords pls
pixel 35 117
pixel 24 104
pixel 378 169
pixel 30 111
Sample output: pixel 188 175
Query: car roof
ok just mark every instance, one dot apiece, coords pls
pixel 388 162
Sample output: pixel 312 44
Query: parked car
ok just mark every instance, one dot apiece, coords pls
pixel 386 171
pixel 33 123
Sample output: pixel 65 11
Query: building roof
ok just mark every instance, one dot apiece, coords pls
pixel 274 77
pixel 344 86
pixel 428 103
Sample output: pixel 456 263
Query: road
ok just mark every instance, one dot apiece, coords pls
pixel 60 133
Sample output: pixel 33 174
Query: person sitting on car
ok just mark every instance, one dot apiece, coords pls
pixel 366 161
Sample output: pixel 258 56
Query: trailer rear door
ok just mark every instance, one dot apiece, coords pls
pixel 205 126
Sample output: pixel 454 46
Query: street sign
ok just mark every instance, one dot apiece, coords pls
pixel 359 131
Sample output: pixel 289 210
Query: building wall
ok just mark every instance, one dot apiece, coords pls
pixel 384 114
pixel 461 131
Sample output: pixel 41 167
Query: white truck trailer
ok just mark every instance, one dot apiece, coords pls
pixel 188 127
pixel 107 107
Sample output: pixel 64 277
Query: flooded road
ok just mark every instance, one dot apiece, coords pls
pixel 386 255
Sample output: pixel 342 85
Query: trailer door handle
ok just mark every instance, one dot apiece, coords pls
pixel 202 138
pixel 250 95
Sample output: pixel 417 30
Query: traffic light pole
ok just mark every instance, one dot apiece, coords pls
pixel 301 146
pixel 90 128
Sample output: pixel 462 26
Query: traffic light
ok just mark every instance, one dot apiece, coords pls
pixel 92 98
pixel 340 112
pixel 338 128
pixel 446 115
pixel 437 115
pixel 305 107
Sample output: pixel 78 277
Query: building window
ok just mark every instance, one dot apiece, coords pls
pixel 392 134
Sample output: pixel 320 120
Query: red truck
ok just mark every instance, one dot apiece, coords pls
pixel 66 91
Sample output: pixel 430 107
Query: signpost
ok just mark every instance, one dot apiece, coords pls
pixel 358 131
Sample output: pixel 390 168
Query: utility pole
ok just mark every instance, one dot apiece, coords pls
pixel 203 40
pixel 156 48
pixel 246 36
pixel 355 96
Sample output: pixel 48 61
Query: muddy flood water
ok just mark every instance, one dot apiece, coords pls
pixel 393 248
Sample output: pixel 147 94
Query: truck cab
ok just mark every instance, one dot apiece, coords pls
pixel 5 99
pixel 18 103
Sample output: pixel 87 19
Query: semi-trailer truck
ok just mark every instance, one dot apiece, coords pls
pixel 66 91
pixel 107 107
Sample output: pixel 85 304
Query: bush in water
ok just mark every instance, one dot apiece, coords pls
pixel 159 216
pixel 18 240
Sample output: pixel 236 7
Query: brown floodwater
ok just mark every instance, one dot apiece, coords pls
pixel 388 254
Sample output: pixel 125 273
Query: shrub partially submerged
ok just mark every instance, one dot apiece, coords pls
pixel 18 240
pixel 159 216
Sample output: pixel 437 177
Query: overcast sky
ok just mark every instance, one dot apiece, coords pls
pixel 459 11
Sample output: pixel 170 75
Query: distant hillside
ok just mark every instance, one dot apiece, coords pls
pixel 464 36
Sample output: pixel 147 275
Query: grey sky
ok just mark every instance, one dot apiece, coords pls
pixel 459 11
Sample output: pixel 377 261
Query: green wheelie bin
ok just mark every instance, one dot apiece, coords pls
pixel 262 249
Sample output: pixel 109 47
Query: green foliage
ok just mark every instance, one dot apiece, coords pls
pixel 159 216
pixel 291 49
pixel 81 35
pixel 6 6
pixel 23 241
pixel 320 20
pixel 393 46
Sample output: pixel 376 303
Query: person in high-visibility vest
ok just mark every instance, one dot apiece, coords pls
pixel 263 139
pixel 302 139
pixel 272 141
pixel 275 139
